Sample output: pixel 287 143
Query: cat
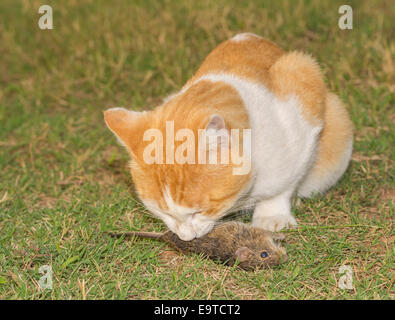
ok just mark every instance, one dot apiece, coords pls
pixel 301 138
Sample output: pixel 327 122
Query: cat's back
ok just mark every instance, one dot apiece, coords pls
pixel 245 55
pixel 248 60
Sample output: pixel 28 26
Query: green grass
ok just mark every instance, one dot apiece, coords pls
pixel 63 178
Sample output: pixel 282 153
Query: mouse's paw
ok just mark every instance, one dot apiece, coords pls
pixel 274 223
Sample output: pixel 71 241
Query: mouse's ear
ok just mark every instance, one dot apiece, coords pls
pixel 242 253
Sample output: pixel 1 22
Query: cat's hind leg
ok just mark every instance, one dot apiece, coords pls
pixel 334 150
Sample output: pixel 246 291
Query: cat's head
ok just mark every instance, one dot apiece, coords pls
pixel 188 197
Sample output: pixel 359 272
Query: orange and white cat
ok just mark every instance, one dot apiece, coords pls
pixel 301 138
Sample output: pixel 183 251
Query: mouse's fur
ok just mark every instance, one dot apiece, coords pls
pixel 229 243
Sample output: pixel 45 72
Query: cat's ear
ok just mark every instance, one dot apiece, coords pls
pixel 216 128
pixel 216 123
pixel 123 123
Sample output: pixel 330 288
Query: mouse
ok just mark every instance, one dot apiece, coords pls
pixel 229 242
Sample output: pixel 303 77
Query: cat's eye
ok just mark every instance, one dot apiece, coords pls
pixel 264 254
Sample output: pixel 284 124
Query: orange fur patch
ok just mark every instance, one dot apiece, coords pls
pixel 212 187
pixel 249 58
pixel 299 74
pixel 335 136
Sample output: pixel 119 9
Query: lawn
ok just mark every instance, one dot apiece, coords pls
pixel 64 179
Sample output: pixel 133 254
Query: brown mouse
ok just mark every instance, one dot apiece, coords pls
pixel 229 242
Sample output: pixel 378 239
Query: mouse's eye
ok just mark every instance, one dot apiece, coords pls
pixel 264 254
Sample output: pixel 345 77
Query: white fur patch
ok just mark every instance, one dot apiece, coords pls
pixel 244 36
pixel 274 223
pixel 319 184
pixel 283 142
pixel 186 222
pixel 175 209
pixel 275 213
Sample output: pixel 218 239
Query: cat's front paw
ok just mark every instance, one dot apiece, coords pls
pixel 274 223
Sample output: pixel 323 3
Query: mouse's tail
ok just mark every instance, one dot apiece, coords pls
pixel 153 235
